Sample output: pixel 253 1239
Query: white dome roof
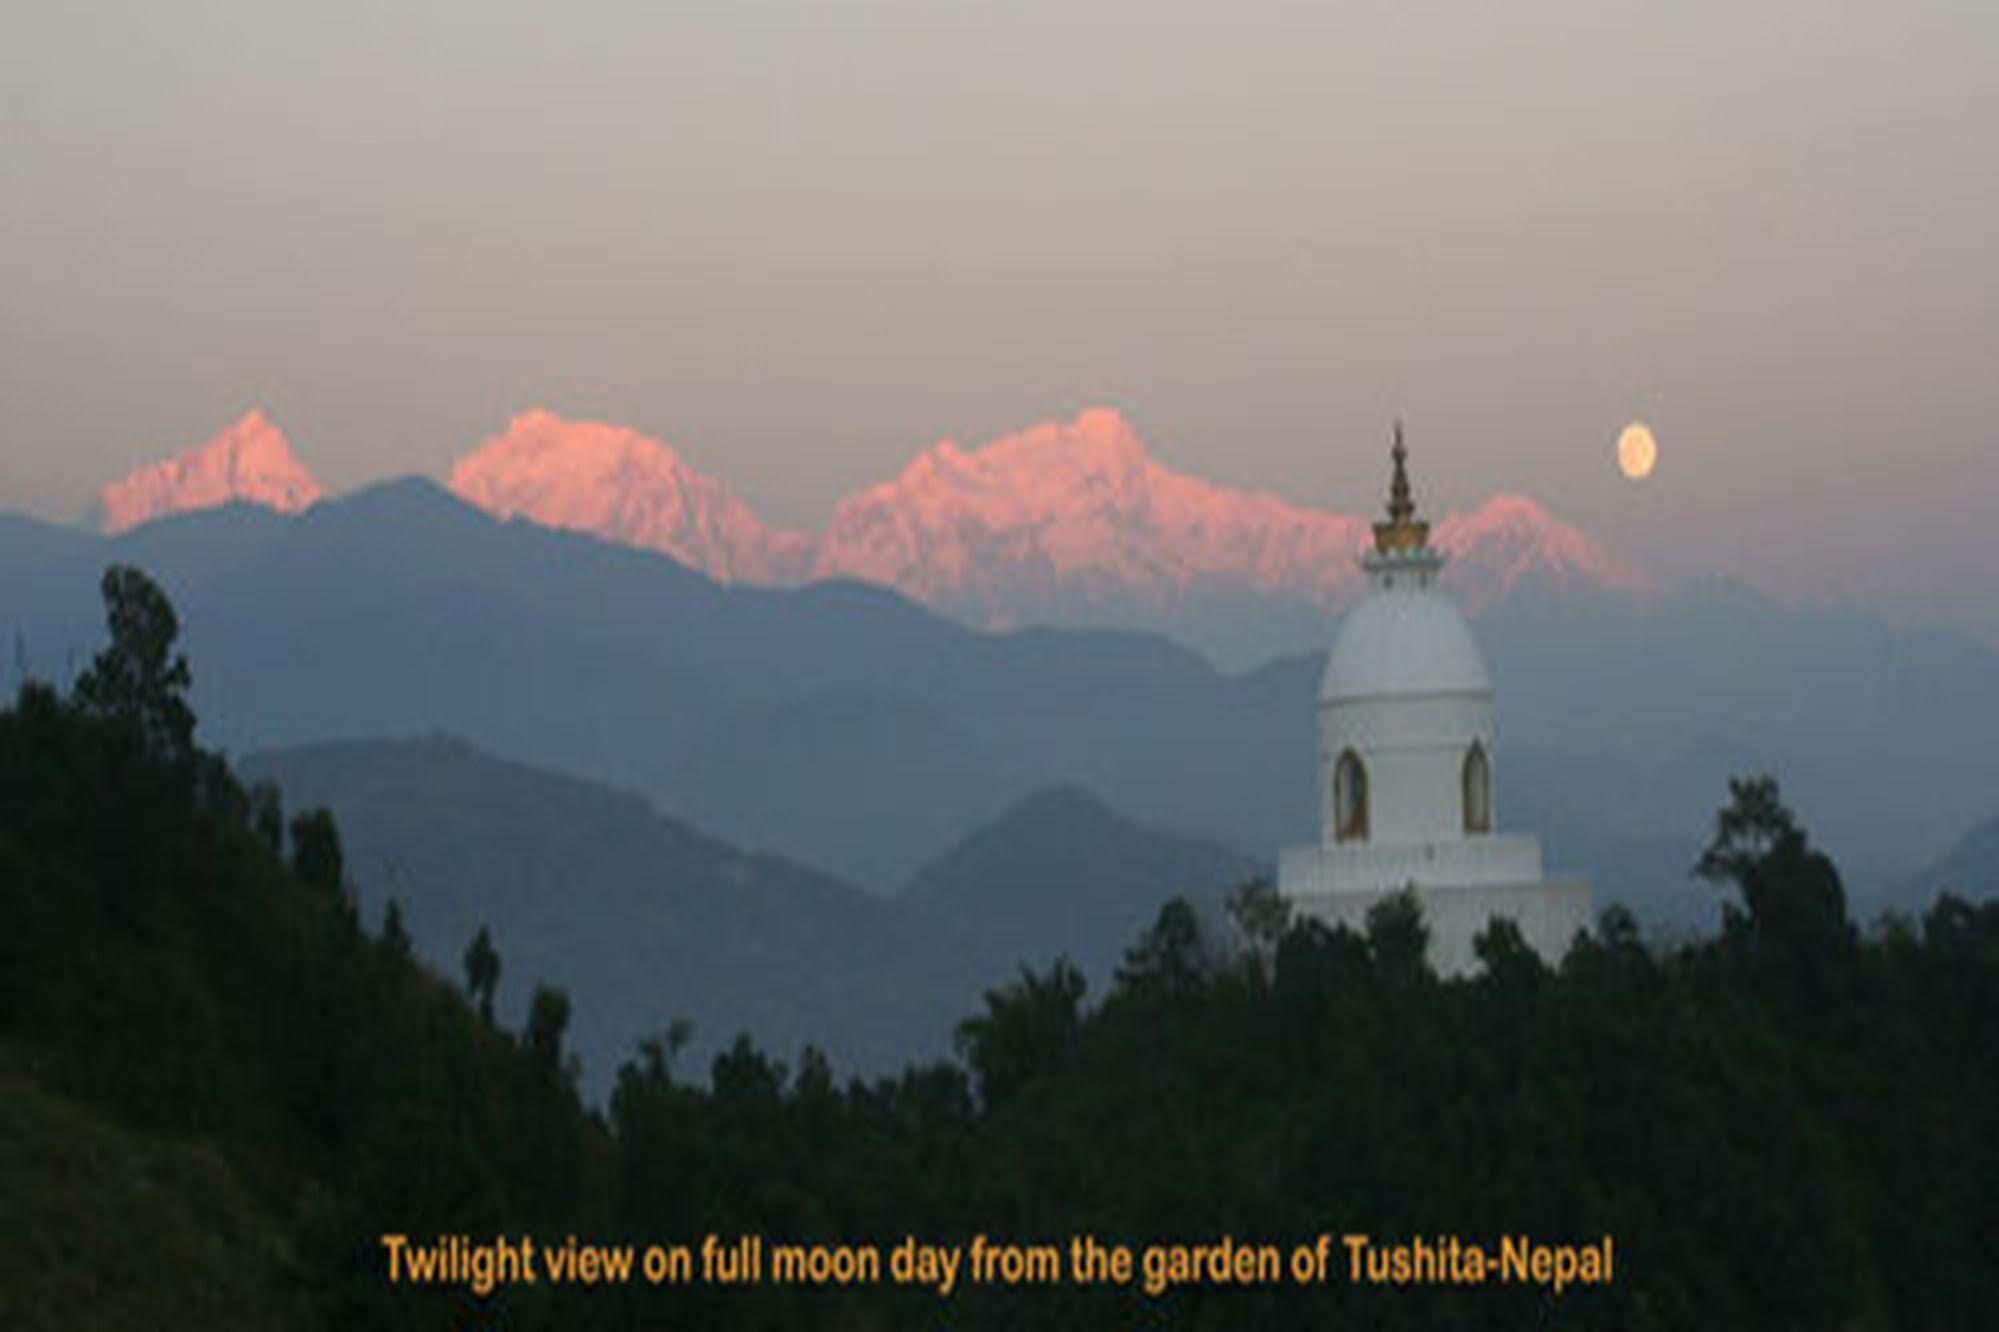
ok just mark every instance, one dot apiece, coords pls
pixel 1403 642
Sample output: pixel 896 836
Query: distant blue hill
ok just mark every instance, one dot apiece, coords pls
pixel 1970 869
pixel 1062 874
pixel 645 919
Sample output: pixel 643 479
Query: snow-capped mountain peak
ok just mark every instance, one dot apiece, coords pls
pixel 250 461
pixel 616 483
pixel 1510 543
pixel 1065 514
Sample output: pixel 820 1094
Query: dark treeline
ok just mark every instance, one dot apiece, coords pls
pixel 218 1088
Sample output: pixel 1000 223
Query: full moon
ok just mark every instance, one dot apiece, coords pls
pixel 1637 451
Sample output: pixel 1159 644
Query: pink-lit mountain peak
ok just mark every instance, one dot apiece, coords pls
pixel 623 486
pixel 540 452
pixel 1099 442
pixel 1074 510
pixel 249 462
pixel 1052 465
pixel 1511 539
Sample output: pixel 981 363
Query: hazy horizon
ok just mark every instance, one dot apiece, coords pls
pixel 801 243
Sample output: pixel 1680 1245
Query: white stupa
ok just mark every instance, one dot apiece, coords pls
pixel 1408 776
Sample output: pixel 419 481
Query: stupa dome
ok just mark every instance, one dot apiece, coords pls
pixel 1399 642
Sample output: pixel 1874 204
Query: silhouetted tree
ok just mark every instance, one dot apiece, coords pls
pixel 745 1076
pixel 482 971
pixel 1261 915
pixel 548 1020
pixel 1168 959
pixel 1028 1029
pixel 395 935
pixel 1398 938
pixel 316 856
pixel 139 678
pixel 1311 964
pixel 1510 964
pixel 267 816
pixel 1746 829
pixel 1796 905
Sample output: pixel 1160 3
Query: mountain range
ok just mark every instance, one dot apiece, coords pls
pixel 1070 523
pixel 843 726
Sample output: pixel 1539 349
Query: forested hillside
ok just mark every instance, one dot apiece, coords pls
pixel 219 1087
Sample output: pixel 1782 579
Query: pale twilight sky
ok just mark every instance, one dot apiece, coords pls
pixel 802 240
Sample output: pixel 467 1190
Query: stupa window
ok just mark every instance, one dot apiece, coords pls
pixel 1350 798
pixel 1478 790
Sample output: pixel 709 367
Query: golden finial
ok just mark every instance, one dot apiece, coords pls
pixel 1401 534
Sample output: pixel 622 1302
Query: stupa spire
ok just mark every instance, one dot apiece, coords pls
pixel 1401 534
